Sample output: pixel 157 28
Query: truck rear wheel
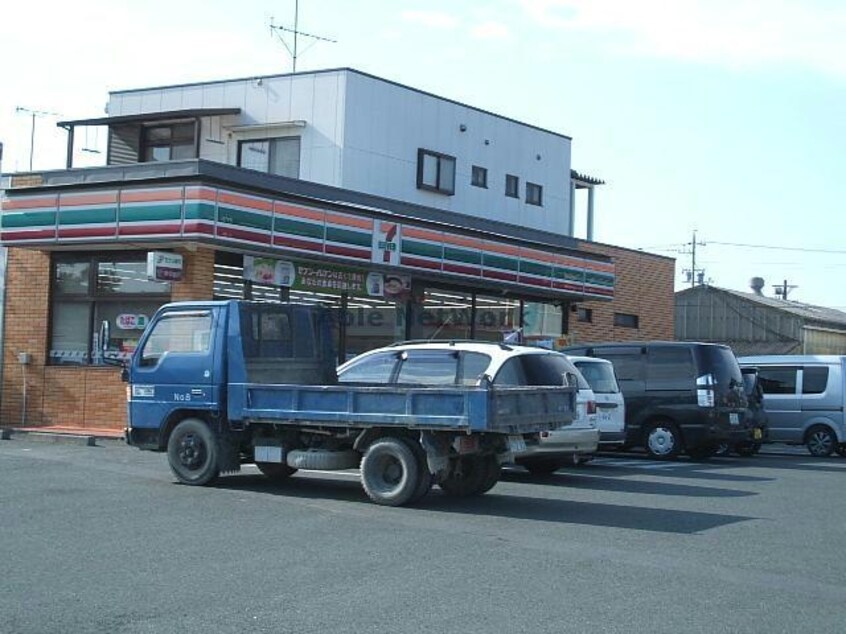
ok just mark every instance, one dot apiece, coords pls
pixel 192 452
pixel 390 472
pixel 468 478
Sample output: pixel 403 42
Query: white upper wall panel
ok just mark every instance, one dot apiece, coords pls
pixel 387 123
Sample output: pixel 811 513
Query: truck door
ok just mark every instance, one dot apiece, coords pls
pixel 174 367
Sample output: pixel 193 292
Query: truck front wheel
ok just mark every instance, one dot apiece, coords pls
pixel 192 452
pixel 390 472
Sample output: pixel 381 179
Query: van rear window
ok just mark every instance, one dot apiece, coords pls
pixel 720 362
pixel 814 380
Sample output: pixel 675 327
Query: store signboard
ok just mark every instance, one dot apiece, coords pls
pixel 164 267
pixel 386 242
pixel 130 321
pixel 326 278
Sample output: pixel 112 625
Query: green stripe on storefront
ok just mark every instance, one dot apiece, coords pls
pixel 87 216
pixel 598 279
pixel 150 213
pixel 500 262
pixel 570 275
pixel 533 268
pixel 334 234
pixel 14 220
pixel 292 227
pixel 243 218
pixel 199 211
pixel 460 255
pixel 424 249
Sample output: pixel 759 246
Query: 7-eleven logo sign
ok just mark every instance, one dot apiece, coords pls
pixel 386 243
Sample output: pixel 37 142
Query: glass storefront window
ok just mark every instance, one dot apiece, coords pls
pixel 442 315
pixel 90 289
pixel 542 323
pixel 496 317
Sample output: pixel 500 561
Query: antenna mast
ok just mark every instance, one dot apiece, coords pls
pixel 293 50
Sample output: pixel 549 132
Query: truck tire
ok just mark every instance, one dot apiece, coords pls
pixel 492 474
pixel 390 472
pixel 192 453
pixel 323 460
pixel 469 479
pixel 275 471
pixel 426 478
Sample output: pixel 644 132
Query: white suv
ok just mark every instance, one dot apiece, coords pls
pixel 466 363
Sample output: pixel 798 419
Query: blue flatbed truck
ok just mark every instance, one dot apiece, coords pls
pixel 219 384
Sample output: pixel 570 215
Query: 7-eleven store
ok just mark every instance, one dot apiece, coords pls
pixel 80 241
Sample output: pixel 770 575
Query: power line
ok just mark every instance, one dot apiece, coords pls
pixel 779 248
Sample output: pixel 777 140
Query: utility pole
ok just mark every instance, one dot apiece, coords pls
pixel 781 290
pixel 293 51
pixel 33 114
pixel 694 275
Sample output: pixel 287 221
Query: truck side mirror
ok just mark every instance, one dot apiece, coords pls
pixel 124 374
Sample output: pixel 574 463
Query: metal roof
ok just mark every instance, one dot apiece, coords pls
pixel 809 312
pixel 584 179
pixel 190 113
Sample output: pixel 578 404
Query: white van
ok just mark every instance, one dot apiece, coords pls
pixel 610 405
pixel 804 399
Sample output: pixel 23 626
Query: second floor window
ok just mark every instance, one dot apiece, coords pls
pixel 479 177
pixel 279 156
pixel 534 194
pixel 512 186
pixel 169 142
pixel 435 172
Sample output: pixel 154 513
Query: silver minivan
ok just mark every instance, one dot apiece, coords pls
pixel 804 399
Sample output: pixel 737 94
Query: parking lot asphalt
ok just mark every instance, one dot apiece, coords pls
pixel 101 539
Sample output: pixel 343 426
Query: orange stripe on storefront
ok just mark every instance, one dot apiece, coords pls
pixel 422 234
pixel 349 221
pixel 84 200
pixel 30 203
pixel 284 209
pixel 201 193
pixel 261 204
pixel 146 196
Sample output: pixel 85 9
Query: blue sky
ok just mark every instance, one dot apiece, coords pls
pixel 724 117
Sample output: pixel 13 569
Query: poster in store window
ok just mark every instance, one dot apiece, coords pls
pixel 269 271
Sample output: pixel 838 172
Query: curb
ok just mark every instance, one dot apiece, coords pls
pixel 85 440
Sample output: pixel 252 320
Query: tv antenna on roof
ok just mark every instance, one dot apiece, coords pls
pixel 293 50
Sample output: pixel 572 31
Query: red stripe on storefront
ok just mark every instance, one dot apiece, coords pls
pixel 88 232
pixel 198 227
pixel 535 281
pixel 499 275
pixel 40 234
pixel 422 264
pixel 335 249
pixel 146 230
pixel 464 270
pixel 295 243
pixel 240 234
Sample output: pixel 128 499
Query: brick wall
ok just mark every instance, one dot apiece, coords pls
pixel 91 397
pixel 644 287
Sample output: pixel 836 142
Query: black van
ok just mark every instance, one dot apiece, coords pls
pixel 680 396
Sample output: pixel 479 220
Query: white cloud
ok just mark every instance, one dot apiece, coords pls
pixel 729 32
pixel 433 19
pixel 490 31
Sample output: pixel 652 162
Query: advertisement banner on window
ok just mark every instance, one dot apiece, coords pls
pixel 326 278
pixel 164 267
pixel 269 271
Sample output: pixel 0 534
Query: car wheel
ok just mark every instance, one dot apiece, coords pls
pixel 275 471
pixel 192 452
pixel 541 467
pixel 663 441
pixel 467 478
pixel 390 473
pixel 820 441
